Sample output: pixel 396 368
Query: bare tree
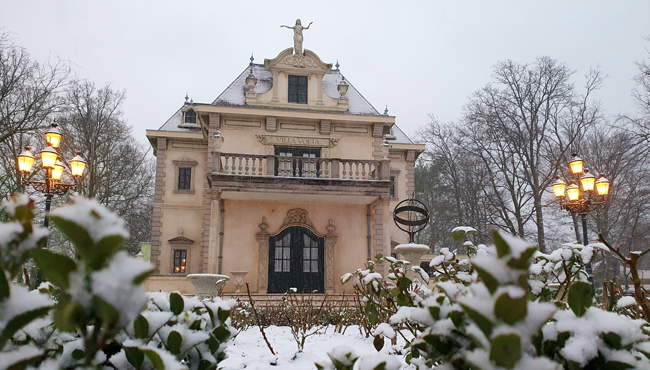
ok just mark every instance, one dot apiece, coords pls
pixel 119 171
pixel 533 116
pixel 30 93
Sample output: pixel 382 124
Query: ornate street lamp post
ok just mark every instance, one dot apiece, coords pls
pixel 52 163
pixel 581 201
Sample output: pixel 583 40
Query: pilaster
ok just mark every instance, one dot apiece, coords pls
pixel 156 232
pixel 330 241
pixel 263 270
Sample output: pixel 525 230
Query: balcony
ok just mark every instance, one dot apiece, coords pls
pixel 300 175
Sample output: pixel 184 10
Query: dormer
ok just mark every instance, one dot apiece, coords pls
pixel 298 83
pixel 190 116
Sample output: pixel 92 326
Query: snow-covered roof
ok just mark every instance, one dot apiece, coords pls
pixel 400 136
pixel 235 95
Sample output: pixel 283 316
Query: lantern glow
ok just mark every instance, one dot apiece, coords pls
pixel 587 181
pixel 576 165
pixel 558 187
pixel 53 136
pixel 57 171
pixel 573 192
pixel 48 157
pixel 602 185
pixel 77 165
pixel 26 160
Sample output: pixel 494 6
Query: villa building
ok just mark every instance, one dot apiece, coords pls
pixel 290 175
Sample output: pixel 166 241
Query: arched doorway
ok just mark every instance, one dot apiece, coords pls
pixel 296 260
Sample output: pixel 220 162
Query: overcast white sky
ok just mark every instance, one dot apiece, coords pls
pixel 418 58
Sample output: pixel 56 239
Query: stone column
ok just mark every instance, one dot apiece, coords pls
pixel 381 226
pixel 156 232
pixel 263 269
pixel 330 241
pixel 213 241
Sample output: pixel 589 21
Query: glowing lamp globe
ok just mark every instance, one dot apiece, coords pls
pixel 573 192
pixel 57 171
pixel 77 165
pixel 48 157
pixel 558 187
pixel 26 160
pixel 53 136
pixel 602 185
pixel 576 165
pixel 587 180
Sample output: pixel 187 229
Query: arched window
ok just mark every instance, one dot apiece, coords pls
pixel 190 117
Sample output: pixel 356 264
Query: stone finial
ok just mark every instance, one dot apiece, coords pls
pixel 186 98
pixel 263 226
pixel 386 111
pixel 330 227
pixel 337 65
pixel 181 232
pixel 252 58
pixel 343 87
pixel 251 80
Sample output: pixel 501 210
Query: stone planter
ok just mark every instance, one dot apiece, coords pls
pixel 238 279
pixel 208 285
pixel 413 253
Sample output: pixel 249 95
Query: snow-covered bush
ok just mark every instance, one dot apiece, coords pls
pixel 486 317
pixel 97 318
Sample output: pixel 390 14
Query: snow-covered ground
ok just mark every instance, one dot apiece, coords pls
pixel 248 350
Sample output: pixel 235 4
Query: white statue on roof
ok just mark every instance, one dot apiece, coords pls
pixel 297 36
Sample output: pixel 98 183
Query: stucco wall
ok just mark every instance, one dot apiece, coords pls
pixel 241 249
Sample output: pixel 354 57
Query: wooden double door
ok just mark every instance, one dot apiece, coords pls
pixel 296 260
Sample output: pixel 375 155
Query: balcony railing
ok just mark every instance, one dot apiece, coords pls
pixel 301 167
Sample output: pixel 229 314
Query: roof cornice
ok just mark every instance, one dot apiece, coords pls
pixel 294 114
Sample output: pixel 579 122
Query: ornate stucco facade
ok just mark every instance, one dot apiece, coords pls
pixel 289 153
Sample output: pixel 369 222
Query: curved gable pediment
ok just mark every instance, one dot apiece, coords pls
pixel 288 61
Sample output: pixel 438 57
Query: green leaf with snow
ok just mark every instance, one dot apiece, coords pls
pixel 511 310
pixel 523 261
pixel 141 327
pixel 207 365
pixel 490 281
pixel 176 303
pixel 460 233
pixel 503 249
pixel 616 365
pixel 78 354
pixel 378 342
pixel 505 350
pixel 135 356
pixel 77 234
pixel 55 267
pixel 4 286
pixel 174 342
pixel 155 359
pixel 580 298
pixel 19 321
pixel 481 321
pixel 221 333
pixel 109 315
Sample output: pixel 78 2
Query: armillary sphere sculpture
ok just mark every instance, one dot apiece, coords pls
pixel 411 216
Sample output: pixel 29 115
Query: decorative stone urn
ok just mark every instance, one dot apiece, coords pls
pixel 238 279
pixel 343 87
pixel 412 253
pixel 208 285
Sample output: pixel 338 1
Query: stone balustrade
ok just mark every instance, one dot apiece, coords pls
pixel 301 167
